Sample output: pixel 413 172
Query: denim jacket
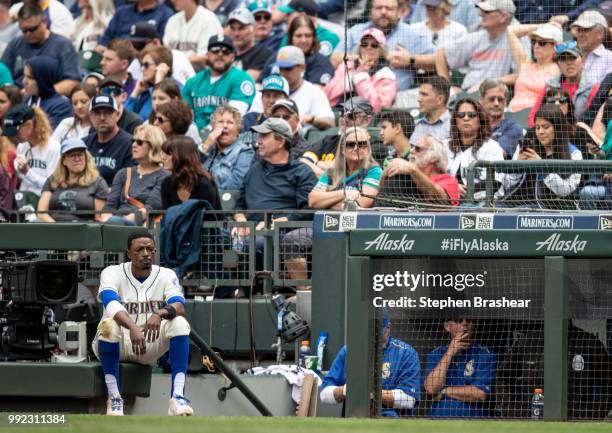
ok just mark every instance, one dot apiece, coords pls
pixel 229 166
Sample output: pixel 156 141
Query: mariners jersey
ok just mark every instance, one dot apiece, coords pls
pixel 475 366
pixel 204 96
pixel 400 370
pixel 140 299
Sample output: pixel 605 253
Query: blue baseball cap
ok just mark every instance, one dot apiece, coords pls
pixel 275 82
pixel 72 144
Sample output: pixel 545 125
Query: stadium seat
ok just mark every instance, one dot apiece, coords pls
pixel 520 117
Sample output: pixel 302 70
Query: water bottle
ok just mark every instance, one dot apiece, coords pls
pixel 238 243
pixel 304 352
pixel 537 404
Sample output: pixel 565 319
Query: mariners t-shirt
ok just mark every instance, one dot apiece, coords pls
pixel 112 156
pixel 75 198
pixel 204 95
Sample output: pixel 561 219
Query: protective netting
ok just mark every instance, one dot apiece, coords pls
pixel 467 338
pixel 442 85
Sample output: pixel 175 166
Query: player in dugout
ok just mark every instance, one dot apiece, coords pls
pixel 143 318
pixel 400 376
pixel 459 375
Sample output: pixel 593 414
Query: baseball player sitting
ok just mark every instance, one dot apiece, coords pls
pixel 143 318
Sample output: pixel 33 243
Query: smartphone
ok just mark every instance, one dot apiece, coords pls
pixel 525 143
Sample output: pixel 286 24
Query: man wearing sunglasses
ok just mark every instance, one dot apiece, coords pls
pixel 128 120
pixel 486 53
pixel 219 84
pixel 266 34
pixel 189 30
pixel 590 30
pixel 37 40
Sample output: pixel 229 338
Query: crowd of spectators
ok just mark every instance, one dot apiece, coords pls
pixel 103 104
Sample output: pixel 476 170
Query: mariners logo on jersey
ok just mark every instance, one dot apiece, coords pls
pixel 140 299
pixel 247 88
pixel 469 368
pixel 326 48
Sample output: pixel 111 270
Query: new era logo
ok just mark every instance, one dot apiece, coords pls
pixel 331 223
pixel 605 222
pixel 467 222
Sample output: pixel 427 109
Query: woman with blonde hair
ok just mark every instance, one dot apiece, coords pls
pixel 355 172
pixel 37 152
pixel 91 24
pixel 136 191
pixel 75 186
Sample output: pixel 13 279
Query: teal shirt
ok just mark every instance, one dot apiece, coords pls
pixel 371 178
pixel 5 75
pixel 327 40
pixel 204 97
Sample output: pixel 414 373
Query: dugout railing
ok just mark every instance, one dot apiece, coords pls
pixel 225 260
pixel 561 343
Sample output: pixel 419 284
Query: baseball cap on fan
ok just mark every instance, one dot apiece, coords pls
pixel 590 19
pixel 549 32
pixel 242 15
pixel 274 124
pixel 497 5
pixel 275 82
pixel 259 6
pixel 290 56
pixel 309 7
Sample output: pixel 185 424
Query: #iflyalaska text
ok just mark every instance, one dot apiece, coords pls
pixel 425 302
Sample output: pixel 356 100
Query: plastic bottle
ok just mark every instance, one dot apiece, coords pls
pixel 238 243
pixel 537 404
pixel 304 352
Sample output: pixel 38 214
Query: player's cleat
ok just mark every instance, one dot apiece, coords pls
pixel 114 406
pixel 179 406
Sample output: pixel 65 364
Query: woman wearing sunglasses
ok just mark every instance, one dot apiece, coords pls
pixel 535 67
pixel 78 125
pixel 471 141
pixel 136 191
pixel 156 65
pixel 571 80
pixel 355 172
pixel 369 76
pixel 164 92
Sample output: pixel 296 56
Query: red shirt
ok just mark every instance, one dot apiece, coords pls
pixel 450 185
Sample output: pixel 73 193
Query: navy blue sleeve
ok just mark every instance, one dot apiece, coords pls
pixel 111 31
pixel 433 359
pixel 320 70
pixel 305 186
pixel 69 60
